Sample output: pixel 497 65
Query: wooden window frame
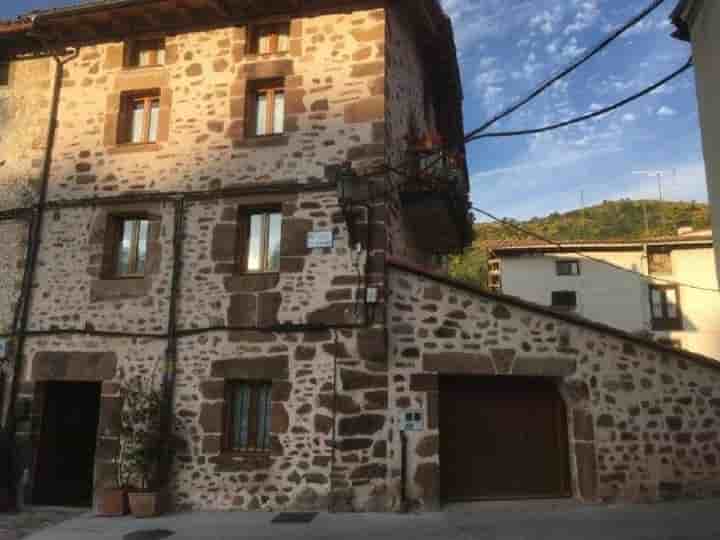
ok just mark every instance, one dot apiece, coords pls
pixel 116 231
pixel 132 59
pixel 277 29
pixel 269 87
pixel 243 248
pixel 4 74
pixel 570 263
pixel 252 448
pixel 653 269
pixel 125 124
pixel 564 307
pixel 666 323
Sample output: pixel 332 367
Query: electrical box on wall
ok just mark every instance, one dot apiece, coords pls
pixel 412 420
pixel 3 347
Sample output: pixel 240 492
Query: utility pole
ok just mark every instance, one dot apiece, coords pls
pixel 582 210
pixel 659 175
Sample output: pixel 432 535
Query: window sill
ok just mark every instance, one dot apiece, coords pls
pixel 131 69
pixel 252 282
pixel 132 148
pixel 267 56
pixel 261 141
pixel 246 454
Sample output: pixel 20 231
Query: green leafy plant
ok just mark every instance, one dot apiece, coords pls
pixel 141 440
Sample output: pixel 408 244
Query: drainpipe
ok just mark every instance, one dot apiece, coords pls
pixel 645 295
pixel 331 506
pixel 169 379
pixel 22 311
pixel 403 471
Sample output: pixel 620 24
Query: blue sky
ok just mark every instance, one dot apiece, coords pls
pixel 508 46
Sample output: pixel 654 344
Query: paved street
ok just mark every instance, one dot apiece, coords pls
pixel 517 521
pixel 15 526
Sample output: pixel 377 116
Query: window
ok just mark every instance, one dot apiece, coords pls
pixel 660 262
pixel 247 418
pixel 564 300
pixel 261 232
pixel 267 108
pixel 665 307
pixel 131 246
pixel 567 268
pixel 140 118
pixel 271 38
pixel 4 74
pixel 146 53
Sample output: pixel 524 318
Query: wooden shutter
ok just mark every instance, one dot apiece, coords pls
pixel 123 122
pixel 243 237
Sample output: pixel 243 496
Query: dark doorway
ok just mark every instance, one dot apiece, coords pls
pixel 66 452
pixel 502 438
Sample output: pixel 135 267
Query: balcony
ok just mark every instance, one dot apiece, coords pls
pixel 435 202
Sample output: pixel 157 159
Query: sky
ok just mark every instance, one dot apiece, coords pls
pixel 507 47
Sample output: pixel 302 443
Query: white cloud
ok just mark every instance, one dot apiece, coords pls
pixel 666 111
pixel 546 21
pixel 585 17
pixel 571 49
pixel 629 117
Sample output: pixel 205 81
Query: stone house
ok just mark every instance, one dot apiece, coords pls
pixel 177 204
pixel 665 293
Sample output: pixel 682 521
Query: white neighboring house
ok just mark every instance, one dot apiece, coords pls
pixel 660 306
pixel 698 21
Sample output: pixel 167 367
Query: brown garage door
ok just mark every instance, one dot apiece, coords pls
pixel 502 437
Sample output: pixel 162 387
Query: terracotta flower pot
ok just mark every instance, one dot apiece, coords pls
pixel 144 505
pixel 113 502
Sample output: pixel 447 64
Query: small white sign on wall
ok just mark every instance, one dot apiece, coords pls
pixel 320 239
pixel 412 420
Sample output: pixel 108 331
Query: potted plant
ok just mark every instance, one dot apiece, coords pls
pixel 141 431
pixel 113 500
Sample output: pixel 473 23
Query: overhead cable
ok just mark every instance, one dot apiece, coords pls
pixel 591 115
pixel 569 69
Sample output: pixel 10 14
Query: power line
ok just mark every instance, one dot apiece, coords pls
pixel 591 115
pixel 572 67
pixel 528 232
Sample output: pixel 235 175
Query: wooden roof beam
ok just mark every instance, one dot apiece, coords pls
pixel 220 7
pixel 183 10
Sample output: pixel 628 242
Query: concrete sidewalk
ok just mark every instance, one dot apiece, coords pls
pixel 696 520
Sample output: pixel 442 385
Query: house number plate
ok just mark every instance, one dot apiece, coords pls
pixel 320 239
pixel 412 420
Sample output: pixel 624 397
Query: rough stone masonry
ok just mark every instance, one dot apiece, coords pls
pixel 361 82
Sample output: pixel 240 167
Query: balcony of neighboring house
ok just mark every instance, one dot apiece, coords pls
pixel 434 198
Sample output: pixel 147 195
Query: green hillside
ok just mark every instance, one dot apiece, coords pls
pixel 611 220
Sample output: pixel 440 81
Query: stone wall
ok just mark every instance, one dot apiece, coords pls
pixel 409 113
pixel 303 471
pixel 12 257
pixel 24 111
pixel 335 101
pixel 334 75
pixel 84 359
pixel 643 420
